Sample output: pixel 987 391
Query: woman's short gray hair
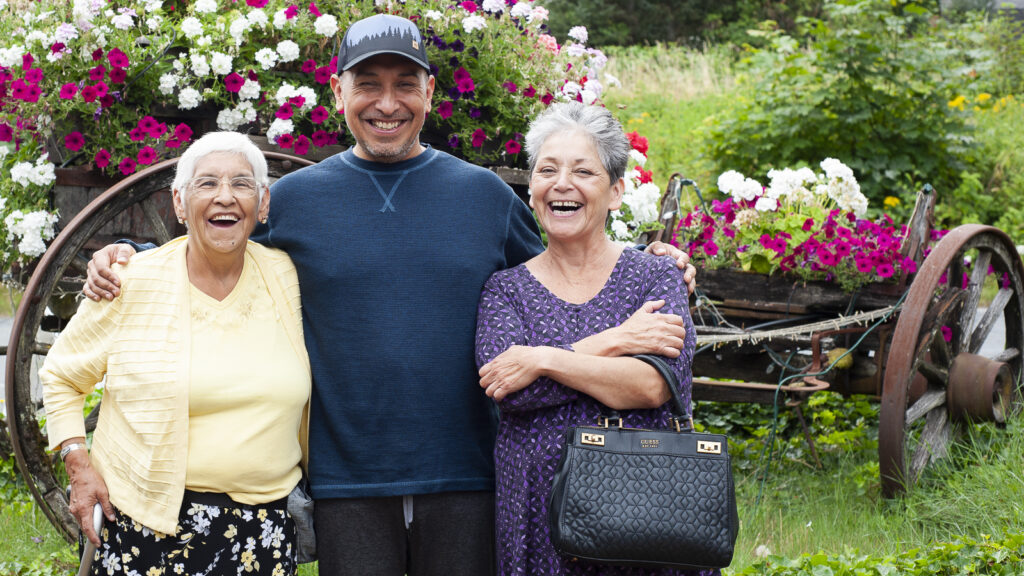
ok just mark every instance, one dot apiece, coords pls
pixel 230 142
pixel 597 122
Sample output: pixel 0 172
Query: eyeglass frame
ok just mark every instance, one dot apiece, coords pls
pixel 190 185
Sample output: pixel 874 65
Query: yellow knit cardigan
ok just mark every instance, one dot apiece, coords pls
pixel 139 342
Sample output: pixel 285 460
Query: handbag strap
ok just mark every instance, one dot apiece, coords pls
pixel 681 420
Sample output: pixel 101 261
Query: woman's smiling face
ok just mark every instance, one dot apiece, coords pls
pixel 570 190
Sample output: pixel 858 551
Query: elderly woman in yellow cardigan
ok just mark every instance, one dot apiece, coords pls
pixel 202 432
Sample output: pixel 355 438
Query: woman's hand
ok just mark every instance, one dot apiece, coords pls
pixel 645 332
pixel 513 370
pixel 659 248
pixel 87 488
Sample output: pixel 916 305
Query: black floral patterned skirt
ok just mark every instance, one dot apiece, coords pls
pixel 216 536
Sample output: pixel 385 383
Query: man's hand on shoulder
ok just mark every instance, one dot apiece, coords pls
pixel 682 261
pixel 101 281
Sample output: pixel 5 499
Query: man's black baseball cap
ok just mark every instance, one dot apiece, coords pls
pixel 382 34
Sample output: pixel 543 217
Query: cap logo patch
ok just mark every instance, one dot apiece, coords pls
pixel 415 45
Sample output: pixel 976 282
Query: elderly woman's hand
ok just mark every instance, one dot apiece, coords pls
pixel 513 370
pixel 87 488
pixel 645 332
pixel 682 259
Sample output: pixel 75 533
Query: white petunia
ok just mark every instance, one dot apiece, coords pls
pixel 250 90
pixel 280 19
pixel 205 6
pixel 326 25
pixel 191 27
pixel 11 57
pixel 200 67
pixel 587 95
pixel 570 90
pixel 432 15
pixel 644 202
pixel 258 18
pixel 188 98
pixel 65 32
pixel 37 37
pixel 493 6
pixel 766 204
pixel 611 80
pixel 538 14
pixel 168 82
pixel 473 22
pixel 637 156
pixel 579 33
pixel 835 169
pixel 124 21
pixel 229 119
pixel 21 173
pixel 279 127
pixel 287 50
pixel 220 63
pixel 521 10
pixel 154 5
pixel 575 50
pixel 30 231
pixel 238 29
pixel 266 57
pixel 619 230
pixel 247 111
pixel 153 23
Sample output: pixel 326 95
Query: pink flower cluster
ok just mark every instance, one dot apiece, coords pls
pixel 148 128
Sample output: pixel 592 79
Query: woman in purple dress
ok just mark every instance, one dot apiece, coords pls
pixel 555 334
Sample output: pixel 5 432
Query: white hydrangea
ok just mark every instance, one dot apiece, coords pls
pixel 30 231
pixel 250 90
pixel 432 15
pixel 279 127
pixel 200 67
pixel 258 18
pixel 205 6
pixel 766 204
pixel 521 10
pixel 188 98
pixel 267 58
pixel 168 82
pixel 637 156
pixel 220 63
pixel 326 25
pixel 473 22
pixel 191 27
pixel 229 119
pixel 644 202
pixel 287 50
pixel 494 6
pixel 578 33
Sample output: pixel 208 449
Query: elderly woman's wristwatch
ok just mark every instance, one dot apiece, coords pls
pixel 71 448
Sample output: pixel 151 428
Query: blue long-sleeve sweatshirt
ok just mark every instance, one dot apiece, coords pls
pixel 391 259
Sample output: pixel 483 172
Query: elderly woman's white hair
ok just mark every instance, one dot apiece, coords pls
pixel 230 142
pixel 595 121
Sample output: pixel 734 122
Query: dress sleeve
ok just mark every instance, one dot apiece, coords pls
pixel 75 364
pixel 668 285
pixel 499 327
pixel 522 237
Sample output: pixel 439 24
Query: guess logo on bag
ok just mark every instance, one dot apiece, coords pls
pixel 649 442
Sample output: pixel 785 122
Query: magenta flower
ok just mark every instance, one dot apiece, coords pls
pixel 947 333
pixel 126 166
pixel 68 91
pixel 291 12
pixel 710 248
pixel 309 66
pixel 908 265
pixel 6 133
pixel 547 98
pixel 106 101
pixel 27 60
pixel 728 232
pixel 864 265
pixel 297 101
pixel 102 158
pixel 89 94
pixel 118 75
pixel 101 89
pixel 808 225
pixel 885 270
pixel 530 91
pixel 322 75
pixel 117 58
pixel 136 134
pixel 320 138
pixel 285 141
pixel 318 115
pixel 285 111
pixel 444 109
pixel 513 147
pixel 313 10
pixel 74 141
pixel 233 82
pixel 827 257
pixel 182 133
pixel 147 155
pixel 34 76
pixel 147 124
pixel 98 73
pixel 478 138
pixel 301 145
pixel 468 6
pixel 97 55
pixel 57 47
pixel 510 86
pixel 172 143
pixel 256 3
pixel 460 73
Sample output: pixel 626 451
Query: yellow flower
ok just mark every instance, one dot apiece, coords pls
pixel 154 571
pixel 984 96
pixel 957 102
pixel 231 532
pixel 262 514
pixel 891 202
pixel 278 571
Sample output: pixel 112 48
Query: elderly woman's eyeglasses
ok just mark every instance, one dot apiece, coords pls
pixel 208 186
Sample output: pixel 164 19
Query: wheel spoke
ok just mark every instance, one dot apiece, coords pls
pixel 940 351
pixel 970 309
pixel 155 221
pixel 925 404
pixel 932 444
pixel 1007 355
pixel 937 375
pixel 992 314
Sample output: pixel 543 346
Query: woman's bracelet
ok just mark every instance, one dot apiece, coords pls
pixel 71 448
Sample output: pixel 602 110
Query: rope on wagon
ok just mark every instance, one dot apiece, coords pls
pixel 756 336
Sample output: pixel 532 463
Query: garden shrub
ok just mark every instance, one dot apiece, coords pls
pixel 870 85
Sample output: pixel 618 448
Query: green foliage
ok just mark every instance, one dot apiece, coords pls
pixel 869 85
pixel 56 564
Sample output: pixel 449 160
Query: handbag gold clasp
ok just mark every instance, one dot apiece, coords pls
pixel 592 439
pixel 705 447
pixel 605 422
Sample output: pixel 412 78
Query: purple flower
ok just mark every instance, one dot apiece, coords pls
pixel 454 141
pixel 102 158
pixel 68 91
pixel 444 109
pixel 474 112
pixel 309 66
pixel 98 73
pixel 117 58
pixel 322 75
pixel 126 166
pixel 510 86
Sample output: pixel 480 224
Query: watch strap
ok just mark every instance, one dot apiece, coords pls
pixel 71 448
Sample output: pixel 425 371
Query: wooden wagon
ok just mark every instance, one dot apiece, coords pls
pixel 926 384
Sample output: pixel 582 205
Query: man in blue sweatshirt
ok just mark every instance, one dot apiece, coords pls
pixel 393 241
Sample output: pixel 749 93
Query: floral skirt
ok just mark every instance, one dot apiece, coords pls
pixel 216 536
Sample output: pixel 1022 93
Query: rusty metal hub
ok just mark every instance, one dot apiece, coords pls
pixel 979 388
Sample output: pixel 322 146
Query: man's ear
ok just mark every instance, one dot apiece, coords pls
pixel 339 100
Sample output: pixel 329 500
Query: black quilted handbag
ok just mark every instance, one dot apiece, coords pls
pixel 654 498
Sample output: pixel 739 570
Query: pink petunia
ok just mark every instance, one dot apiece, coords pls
pixel 318 115
pixel 291 12
pixel 808 225
pixel 322 75
pixel 827 257
pixel 947 333
pixel 309 66
pixel 513 147
pixel 465 85
pixel 102 158
pixel 101 89
pixel 313 10
pixel 147 155
pixel 510 86
pixel 885 270
pixel 89 94
pixel 285 140
pixel 97 73
pixel 6 133
pixel 136 134
pixel 530 91
pixel 478 138
pixel 547 98
pixel 126 166
pixel 710 248
pixel 297 101
pixel 320 138
pixel 233 82
pixel 147 124
pixel 57 47
pixel 118 75
pixel 106 101
pixel 26 61
pixel 97 54
pixel 285 111
pixel 172 143
pixel 182 133
pixel 68 91
pixel 301 145
pixel 444 109
pixel 468 6
pixel 74 141
pixel 908 265
pixel 256 3
pixel 864 265
pixel 117 58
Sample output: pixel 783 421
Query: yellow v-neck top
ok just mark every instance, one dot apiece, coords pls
pixel 245 399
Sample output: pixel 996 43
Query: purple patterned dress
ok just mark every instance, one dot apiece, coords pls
pixel 517 309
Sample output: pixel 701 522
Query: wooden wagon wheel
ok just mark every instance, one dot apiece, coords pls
pixel 934 377
pixel 65 254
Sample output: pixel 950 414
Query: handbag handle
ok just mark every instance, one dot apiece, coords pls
pixel 679 415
